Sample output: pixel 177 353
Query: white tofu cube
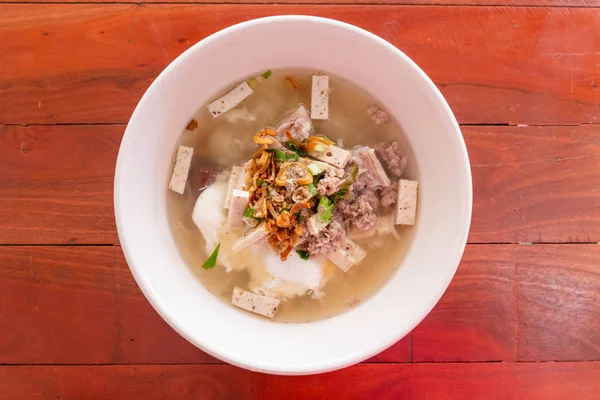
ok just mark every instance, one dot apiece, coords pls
pixel 232 183
pixel 347 256
pixel 406 206
pixel 333 155
pixel 262 305
pixel 239 203
pixel 342 259
pixel 354 250
pixel 253 236
pixel 230 100
pixel 319 101
pixel 181 169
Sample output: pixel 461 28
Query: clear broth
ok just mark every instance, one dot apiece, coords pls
pixel 231 143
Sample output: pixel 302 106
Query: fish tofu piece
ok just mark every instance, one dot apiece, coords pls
pixel 239 202
pixel 319 101
pixel 347 256
pixel 181 169
pixel 333 155
pixel 262 305
pixel 406 206
pixel 230 100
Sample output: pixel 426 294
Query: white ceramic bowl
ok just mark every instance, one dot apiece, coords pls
pixel 444 206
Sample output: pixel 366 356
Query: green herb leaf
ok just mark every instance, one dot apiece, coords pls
pixel 249 212
pixel 212 260
pixel 312 189
pixel 339 195
pixel 261 182
pixel 305 255
pixel 351 179
pixel 253 83
pixel 266 74
pixel 325 209
pixel 283 156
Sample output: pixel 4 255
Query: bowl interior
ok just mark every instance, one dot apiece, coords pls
pixel 142 174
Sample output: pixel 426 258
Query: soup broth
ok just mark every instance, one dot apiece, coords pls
pixel 222 142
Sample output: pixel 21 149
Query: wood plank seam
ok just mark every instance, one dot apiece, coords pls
pixel 432 3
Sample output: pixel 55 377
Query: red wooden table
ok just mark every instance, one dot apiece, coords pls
pixel 521 319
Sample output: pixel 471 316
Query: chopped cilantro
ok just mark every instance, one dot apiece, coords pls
pixel 351 179
pixel 212 260
pixel 325 209
pixel 283 156
pixel 343 192
pixel 305 255
pixel 293 147
pixel 249 213
pixel 339 195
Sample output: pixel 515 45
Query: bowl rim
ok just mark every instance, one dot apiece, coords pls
pixel 140 278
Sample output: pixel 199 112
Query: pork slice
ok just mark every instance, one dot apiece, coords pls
pixel 360 213
pixel 392 157
pixel 378 115
pixel 298 123
pixel 372 164
pixel 328 239
pixel 253 236
pixel 389 195
pixel 331 182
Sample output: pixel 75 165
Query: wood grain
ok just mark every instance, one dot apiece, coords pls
pixel 535 184
pixel 536 3
pixel 476 319
pixel 56 184
pixel 517 303
pixel 399 381
pixel 80 305
pixel 399 352
pixel 494 64
pixel 531 184
pixel 559 303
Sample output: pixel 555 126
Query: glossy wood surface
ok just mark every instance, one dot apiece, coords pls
pixel 520 320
